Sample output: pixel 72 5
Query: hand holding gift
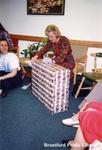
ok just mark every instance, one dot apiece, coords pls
pixel 34 59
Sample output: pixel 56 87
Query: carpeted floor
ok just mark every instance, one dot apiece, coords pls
pixel 26 124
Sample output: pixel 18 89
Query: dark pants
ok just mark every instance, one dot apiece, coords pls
pixel 10 83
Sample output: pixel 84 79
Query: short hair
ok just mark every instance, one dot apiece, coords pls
pixel 3 39
pixel 54 29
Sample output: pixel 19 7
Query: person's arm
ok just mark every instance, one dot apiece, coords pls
pixel 44 50
pixel 9 40
pixel 9 75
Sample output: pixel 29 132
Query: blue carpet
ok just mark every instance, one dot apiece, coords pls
pixel 26 124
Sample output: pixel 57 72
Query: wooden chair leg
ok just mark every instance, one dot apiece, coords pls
pixel 79 87
pixel 75 73
pixel 23 72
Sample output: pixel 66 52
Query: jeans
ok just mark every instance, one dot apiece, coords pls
pixel 10 83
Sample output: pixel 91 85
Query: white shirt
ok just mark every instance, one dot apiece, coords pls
pixel 8 62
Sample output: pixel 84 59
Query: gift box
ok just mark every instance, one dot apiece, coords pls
pixel 50 84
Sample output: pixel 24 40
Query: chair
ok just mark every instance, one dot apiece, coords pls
pixel 79 52
pixel 25 62
pixel 80 66
pixel 95 75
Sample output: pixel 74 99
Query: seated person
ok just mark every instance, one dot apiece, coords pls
pixel 90 129
pixel 94 94
pixel 61 48
pixel 10 74
pixel 4 35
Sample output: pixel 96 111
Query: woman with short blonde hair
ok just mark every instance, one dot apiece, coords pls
pixel 61 48
pixel 54 29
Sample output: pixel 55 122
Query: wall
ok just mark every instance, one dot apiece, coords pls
pixel 82 19
pixel 1 11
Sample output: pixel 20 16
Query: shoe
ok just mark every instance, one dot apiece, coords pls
pixel 76 126
pixel 70 121
pixel 0 91
pixel 4 94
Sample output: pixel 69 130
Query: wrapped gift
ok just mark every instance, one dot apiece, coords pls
pixel 50 84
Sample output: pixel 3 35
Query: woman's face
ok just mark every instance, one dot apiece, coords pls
pixel 3 47
pixel 52 37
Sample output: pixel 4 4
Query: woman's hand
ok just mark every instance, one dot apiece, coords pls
pixel 1 78
pixel 34 59
pixel 53 61
pixel 9 75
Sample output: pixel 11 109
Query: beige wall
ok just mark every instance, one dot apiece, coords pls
pixel 82 19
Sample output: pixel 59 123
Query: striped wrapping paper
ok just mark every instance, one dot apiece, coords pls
pixel 50 84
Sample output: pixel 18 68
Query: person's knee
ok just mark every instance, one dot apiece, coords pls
pixel 2 73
